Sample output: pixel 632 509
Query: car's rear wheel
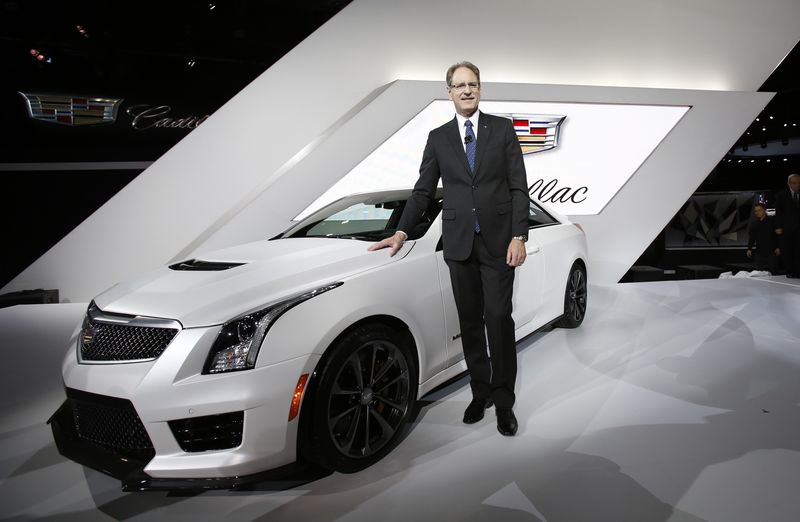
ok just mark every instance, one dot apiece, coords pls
pixel 575 296
pixel 365 395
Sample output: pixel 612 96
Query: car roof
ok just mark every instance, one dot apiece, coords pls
pixel 383 195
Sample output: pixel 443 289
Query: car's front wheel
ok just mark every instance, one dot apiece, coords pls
pixel 364 398
pixel 575 296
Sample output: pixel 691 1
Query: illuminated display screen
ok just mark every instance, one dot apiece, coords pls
pixel 598 149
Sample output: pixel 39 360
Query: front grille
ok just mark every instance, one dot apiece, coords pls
pixel 211 432
pixel 109 423
pixel 102 341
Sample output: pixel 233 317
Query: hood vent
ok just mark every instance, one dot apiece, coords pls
pixel 195 265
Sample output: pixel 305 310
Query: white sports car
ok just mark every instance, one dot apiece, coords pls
pixel 304 347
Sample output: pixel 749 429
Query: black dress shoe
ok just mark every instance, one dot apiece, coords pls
pixel 506 422
pixel 474 411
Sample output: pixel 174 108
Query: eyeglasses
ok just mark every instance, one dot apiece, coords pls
pixel 461 87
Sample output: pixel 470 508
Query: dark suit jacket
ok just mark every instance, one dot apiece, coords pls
pixel 762 235
pixel 787 213
pixel 497 193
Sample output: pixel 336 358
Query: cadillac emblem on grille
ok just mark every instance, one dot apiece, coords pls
pixel 537 132
pixel 71 110
pixel 88 335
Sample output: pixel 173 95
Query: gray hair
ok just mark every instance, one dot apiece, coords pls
pixel 469 65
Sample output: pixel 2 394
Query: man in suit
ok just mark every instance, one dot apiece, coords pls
pixel 787 221
pixel 484 229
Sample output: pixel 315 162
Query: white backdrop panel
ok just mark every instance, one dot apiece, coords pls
pixel 599 148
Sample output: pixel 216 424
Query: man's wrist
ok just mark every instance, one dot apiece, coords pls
pixel 521 238
pixel 405 236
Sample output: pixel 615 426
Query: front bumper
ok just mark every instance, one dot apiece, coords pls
pixel 167 400
pixel 130 470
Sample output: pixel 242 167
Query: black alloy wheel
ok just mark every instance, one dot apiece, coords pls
pixel 365 396
pixel 575 297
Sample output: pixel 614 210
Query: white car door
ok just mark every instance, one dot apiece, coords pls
pixel 528 282
pixel 528 285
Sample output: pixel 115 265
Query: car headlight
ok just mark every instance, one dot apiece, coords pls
pixel 239 340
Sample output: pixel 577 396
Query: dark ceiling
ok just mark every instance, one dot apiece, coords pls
pixel 769 149
pixel 140 47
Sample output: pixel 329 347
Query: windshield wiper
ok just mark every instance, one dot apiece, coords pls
pixel 366 235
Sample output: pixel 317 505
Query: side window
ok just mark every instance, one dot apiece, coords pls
pixel 537 217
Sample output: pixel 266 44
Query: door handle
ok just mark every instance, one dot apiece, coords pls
pixel 534 250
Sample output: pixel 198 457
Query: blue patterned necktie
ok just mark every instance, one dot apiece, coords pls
pixel 469 140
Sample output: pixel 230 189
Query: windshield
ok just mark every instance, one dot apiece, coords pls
pixel 369 219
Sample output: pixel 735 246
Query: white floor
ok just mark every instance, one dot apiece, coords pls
pixel 675 401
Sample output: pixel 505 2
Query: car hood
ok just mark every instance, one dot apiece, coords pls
pixel 269 272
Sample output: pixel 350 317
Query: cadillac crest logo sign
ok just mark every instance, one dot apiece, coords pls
pixel 71 110
pixel 537 132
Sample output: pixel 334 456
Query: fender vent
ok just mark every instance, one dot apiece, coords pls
pixel 195 265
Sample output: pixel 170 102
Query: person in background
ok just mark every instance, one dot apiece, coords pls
pixel 787 221
pixel 761 234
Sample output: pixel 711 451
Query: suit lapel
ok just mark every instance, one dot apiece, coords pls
pixel 454 137
pixel 483 139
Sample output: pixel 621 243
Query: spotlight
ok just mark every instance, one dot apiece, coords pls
pixel 36 53
pixel 191 63
pixel 768 160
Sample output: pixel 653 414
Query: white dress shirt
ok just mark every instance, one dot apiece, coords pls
pixel 463 129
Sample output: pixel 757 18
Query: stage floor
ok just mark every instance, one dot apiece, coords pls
pixel 675 401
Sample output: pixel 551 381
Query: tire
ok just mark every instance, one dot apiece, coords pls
pixel 363 399
pixel 575 296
